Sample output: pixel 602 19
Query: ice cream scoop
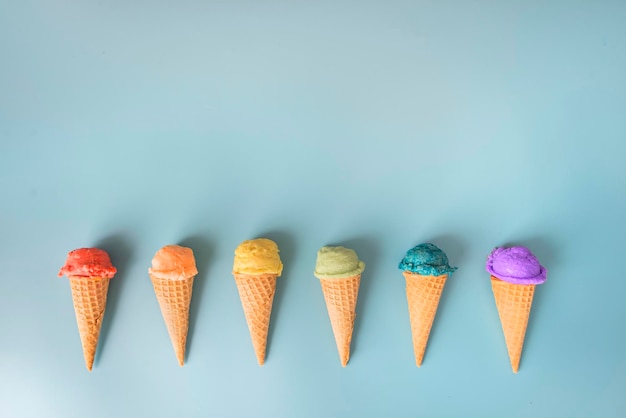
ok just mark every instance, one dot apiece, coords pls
pixel 337 263
pixel 427 260
pixel 173 262
pixel 257 256
pixel 516 265
pixel 88 262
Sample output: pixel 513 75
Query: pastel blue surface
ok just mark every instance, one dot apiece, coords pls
pixel 373 125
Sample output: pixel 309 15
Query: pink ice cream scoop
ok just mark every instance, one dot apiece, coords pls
pixel 88 262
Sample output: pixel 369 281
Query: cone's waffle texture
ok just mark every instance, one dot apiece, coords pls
pixel 513 302
pixel 174 298
pixel 341 297
pixel 89 295
pixel 423 294
pixel 257 296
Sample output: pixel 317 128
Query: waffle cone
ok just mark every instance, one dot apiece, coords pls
pixel 423 294
pixel 89 295
pixel 513 302
pixel 341 297
pixel 257 296
pixel 174 298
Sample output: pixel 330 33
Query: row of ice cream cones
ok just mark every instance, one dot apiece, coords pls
pixel 514 273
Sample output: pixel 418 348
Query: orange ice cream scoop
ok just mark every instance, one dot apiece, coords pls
pixel 88 262
pixel 173 262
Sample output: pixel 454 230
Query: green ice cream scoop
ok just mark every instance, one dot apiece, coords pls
pixel 337 263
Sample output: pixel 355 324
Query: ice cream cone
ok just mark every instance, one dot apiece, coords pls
pixel 339 271
pixel 89 271
pixel 341 297
pixel 423 294
pixel 426 269
pixel 174 298
pixel 514 273
pixel 89 295
pixel 257 296
pixel 513 302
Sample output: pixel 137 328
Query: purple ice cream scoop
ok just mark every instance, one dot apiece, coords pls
pixel 516 265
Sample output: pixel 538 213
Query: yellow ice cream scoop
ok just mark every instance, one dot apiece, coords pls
pixel 257 256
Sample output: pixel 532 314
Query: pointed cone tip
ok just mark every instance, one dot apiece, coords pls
pixel 344 359
pixel 260 357
pixel 344 351
pixel 419 361
pixel 179 350
pixel 515 367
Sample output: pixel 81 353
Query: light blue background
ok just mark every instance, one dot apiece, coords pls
pixel 377 125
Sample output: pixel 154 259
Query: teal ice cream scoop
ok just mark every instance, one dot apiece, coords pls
pixel 427 260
